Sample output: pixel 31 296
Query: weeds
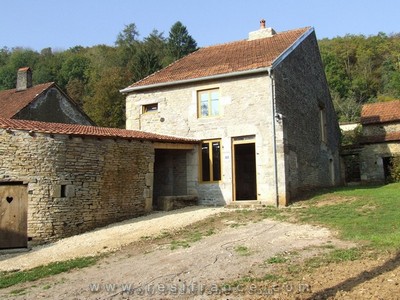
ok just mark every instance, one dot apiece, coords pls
pixel 12 278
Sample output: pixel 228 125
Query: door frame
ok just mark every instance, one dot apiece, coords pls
pixel 240 140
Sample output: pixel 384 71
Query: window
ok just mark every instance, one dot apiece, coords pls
pixel 322 121
pixel 208 103
pixel 153 107
pixel 211 161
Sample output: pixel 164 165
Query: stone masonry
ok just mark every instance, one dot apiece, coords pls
pixel 77 183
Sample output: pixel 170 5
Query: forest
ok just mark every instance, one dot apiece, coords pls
pixel 359 69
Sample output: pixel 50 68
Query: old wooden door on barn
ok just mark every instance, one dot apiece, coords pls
pixel 13 215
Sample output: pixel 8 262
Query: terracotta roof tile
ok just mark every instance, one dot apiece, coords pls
pixel 226 58
pixel 380 112
pixel 11 101
pixel 89 131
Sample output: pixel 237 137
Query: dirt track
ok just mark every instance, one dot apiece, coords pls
pixel 151 269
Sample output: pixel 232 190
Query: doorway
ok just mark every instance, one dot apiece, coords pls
pixel 245 185
pixel 13 215
pixel 387 168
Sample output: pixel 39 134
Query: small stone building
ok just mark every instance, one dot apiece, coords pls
pixel 261 108
pixel 380 140
pixel 43 102
pixel 57 180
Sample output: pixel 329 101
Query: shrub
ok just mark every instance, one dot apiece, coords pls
pixel 395 170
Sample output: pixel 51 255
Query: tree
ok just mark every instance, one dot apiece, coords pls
pixel 127 37
pixel 180 42
pixel 105 104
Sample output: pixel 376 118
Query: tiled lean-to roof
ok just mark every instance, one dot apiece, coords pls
pixel 380 112
pixel 88 131
pixel 13 101
pixel 240 56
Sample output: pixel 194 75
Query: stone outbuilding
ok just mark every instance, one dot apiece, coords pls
pixel 380 139
pixel 57 180
pixel 43 102
pixel 261 108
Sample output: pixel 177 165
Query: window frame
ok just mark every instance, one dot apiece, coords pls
pixel 323 125
pixel 211 159
pixel 209 103
pixel 146 110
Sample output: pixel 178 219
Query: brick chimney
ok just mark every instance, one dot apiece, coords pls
pixel 24 79
pixel 261 33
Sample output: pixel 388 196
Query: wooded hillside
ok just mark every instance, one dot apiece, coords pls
pixel 359 69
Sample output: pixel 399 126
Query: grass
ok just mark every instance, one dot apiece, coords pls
pixel 8 279
pixel 242 250
pixel 370 214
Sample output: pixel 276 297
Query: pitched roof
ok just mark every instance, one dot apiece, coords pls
pixel 89 131
pixel 13 101
pixel 227 58
pixel 380 112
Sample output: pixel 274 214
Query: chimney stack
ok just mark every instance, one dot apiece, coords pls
pixel 24 79
pixel 263 32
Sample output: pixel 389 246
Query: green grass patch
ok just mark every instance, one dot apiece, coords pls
pixel 250 279
pixel 242 250
pixel 191 236
pixel 8 279
pixel 278 259
pixel 368 214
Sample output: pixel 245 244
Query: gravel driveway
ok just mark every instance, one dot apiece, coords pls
pixel 159 272
pixel 106 239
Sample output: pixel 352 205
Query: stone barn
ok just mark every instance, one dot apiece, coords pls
pixel 58 180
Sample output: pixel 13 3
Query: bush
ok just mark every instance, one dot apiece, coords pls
pixel 395 170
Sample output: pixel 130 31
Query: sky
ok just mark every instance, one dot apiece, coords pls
pixel 38 24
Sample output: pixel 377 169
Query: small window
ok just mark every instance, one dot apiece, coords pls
pixel 63 192
pixel 322 121
pixel 208 103
pixel 211 161
pixel 153 107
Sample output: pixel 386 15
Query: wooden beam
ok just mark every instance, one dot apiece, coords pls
pixel 171 146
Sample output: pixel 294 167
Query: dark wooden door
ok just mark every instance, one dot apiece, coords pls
pixel 13 216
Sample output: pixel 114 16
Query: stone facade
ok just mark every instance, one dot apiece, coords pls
pixel 373 155
pixel 310 159
pixel 177 115
pixel 77 183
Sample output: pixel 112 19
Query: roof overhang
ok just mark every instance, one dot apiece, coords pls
pixel 290 49
pixel 193 80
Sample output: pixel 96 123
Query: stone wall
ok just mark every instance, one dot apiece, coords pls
pixel 76 184
pixel 245 106
pixel 380 129
pixel 372 155
pixel 301 93
pixel 371 160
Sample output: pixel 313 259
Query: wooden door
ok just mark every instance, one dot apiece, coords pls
pixel 244 169
pixel 13 216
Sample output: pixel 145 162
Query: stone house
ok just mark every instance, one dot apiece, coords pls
pixel 57 180
pixel 262 110
pixel 380 140
pixel 43 102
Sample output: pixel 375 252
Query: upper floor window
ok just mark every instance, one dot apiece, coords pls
pixel 208 103
pixel 153 107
